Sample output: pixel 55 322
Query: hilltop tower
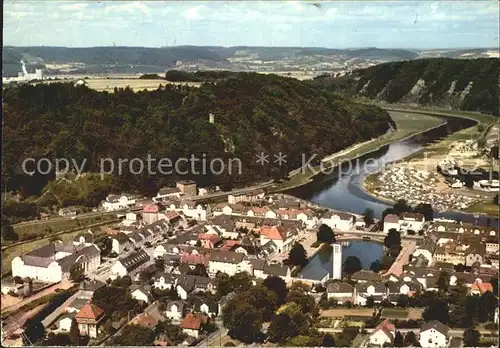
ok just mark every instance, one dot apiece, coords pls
pixel 337 261
pixel 211 118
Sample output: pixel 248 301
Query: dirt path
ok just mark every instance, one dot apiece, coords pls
pixel 10 303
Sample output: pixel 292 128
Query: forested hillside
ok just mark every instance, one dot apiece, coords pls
pixel 253 113
pixel 465 84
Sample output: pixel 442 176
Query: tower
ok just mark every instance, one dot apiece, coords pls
pixel 211 118
pixel 337 261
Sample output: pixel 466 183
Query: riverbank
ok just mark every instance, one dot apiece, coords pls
pixel 432 153
pixel 408 125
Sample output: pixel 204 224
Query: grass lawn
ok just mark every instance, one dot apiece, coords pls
pixel 395 313
pixel 408 124
pixel 486 207
pixel 46 227
pixel 219 341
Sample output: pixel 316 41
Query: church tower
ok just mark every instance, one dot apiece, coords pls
pixel 337 261
pixel 211 118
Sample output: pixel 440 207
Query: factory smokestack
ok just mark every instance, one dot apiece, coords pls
pixel 25 72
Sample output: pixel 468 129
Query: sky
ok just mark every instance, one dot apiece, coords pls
pixel 333 24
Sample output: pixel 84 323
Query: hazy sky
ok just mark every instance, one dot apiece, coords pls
pixel 412 24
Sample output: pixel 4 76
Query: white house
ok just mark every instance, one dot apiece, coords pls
pixel 338 220
pixel 434 334
pixel 117 202
pixel 383 334
pixel 426 249
pixel 65 321
pixel 191 325
pixel 52 262
pixel 120 242
pixel 282 238
pixel 174 310
pixel 411 221
pixel 341 292
pixel 130 265
pixel 226 262
pixel 167 193
pixel 391 221
pixel 140 293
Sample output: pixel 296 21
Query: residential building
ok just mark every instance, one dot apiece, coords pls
pixel 166 193
pixel 175 310
pixel 383 334
pixel 52 262
pixel 225 261
pixel 391 221
pixel 426 249
pixel 338 220
pixel 411 222
pixel 117 202
pixel 89 320
pixel 341 292
pixel 283 239
pixel 120 243
pixel 131 265
pixel 141 293
pixel 434 334
pixel 187 187
pixel 191 324
pixel 150 213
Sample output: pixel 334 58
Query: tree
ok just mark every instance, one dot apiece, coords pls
pixel 56 340
pixel 376 266
pixel 351 265
pixel 393 239
pixel 368 217
pixel 328 341
pixel 241 281
pixel 426 210
pixel 298 255
pixel 77 272
pixel 34 331
pixel 398 339
pixel 443 281
pixel 243 321
pixel 325 234
pixel 403 301
pixel 438 310
pixel 8 233
pixel 134 335
pixel 401 207
pixel 199 270
pixel 370 302
pixel 411 340
pixel 471 337
pixel 494 284
pixel 278 286
pixel 487 306
pixel 74 333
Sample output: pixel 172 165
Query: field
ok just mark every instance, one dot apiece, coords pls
pixel 109 84
pixel 58 224
pixel 342 312
pixel 402 313
pixel 488 208
pixel 407 123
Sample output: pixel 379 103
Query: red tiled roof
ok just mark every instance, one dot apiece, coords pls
pixel 385 325
pixel 151 208
pixel 212 237
pixel 273 232
pixel 482 287
pixel 89 311
pixel 171 214
pixel 193 259
pixel 191 322
pixel 391 218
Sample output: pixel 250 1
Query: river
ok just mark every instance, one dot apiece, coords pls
pixel 343 191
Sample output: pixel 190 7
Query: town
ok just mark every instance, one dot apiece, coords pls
pixel 169 271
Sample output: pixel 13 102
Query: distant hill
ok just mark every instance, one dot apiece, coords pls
pixel 465 84
pixel 254 113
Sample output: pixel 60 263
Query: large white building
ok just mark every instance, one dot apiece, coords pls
pixel 117 202
pixel 52 262
pixel 434 334
pixel 131 265
pixel 337 261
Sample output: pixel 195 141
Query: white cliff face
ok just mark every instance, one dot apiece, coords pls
pixel 466 91
pixel 365 87
pixel 418 88
pixel 452 87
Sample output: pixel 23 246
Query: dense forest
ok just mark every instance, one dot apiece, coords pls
pixel 253 113
pixel 465 84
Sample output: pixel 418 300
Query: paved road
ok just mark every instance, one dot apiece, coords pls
pixel 408 247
